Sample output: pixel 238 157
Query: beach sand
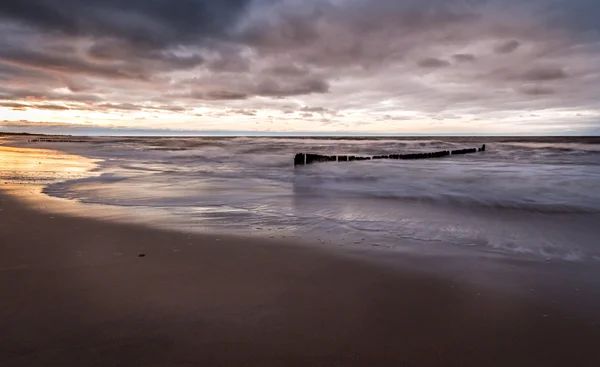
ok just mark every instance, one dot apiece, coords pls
pixel 75 292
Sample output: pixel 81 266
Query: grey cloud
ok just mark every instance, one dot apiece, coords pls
pixel 220 95
pixel 77 84
pixel 119 106
pixel 236 87
pixel 286 70
pixel 66 64
pixel 433 63
pixel 360 52
pixel 13 105
pixel 15 73
pixel 229 64
pixel 172 108
pixel 229 59
pixel 133 39
pixel 536 73
pixel 37 106
pixel 153 24
pixel 156 60
pixel 44 94
pixel 575 14
pixel 536 90
pixel 319 110
pixel 507 47
pixel 138 107
pixel 354 32
pixel 464 57
pixel 243 112
pixel 275 88
pixel 51 107
pixel 41 94
pixel 544 73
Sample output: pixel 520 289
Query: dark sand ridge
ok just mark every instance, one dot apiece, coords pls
pixel 75 293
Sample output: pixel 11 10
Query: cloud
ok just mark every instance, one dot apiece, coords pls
pixel 507 47
pixel 68 65
pixel 139 23
pixel 544 73
pixel 464 58
pixel 320 110
pixel 537 90
pixel 242 112
pixel 237 87
pixel 51 107
pixel 34 106
pixel 119 106
pixel 475 60
pixel 276 88
pixel 286 70
pixel 109 50
pixel 218 95
pixel 138 107
pixel 433 63
pixel 44 94
pixel 13 105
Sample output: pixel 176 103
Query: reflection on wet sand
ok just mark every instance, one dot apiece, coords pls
pixel 24 172
pixel 35 166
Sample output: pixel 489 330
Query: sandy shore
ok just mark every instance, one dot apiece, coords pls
pixel 74 292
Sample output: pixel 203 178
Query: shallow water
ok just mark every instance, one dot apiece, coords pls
pixel 536 198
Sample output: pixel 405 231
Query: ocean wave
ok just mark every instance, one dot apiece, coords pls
pixel 523 196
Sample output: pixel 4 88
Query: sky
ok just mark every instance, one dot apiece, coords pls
pixel 301 66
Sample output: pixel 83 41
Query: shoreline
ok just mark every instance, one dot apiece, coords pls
pixel 76 292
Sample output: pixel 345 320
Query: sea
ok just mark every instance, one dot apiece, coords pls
pixel 532 198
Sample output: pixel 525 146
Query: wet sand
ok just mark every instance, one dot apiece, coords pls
pixel 74 292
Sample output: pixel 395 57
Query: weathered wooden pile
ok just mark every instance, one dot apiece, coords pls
pixel 302 159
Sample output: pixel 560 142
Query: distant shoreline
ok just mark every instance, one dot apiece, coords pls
pixel 590 139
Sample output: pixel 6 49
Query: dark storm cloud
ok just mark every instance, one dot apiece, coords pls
pixel 146 24
pixel 507 47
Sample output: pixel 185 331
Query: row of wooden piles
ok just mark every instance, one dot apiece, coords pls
pixel 306 158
